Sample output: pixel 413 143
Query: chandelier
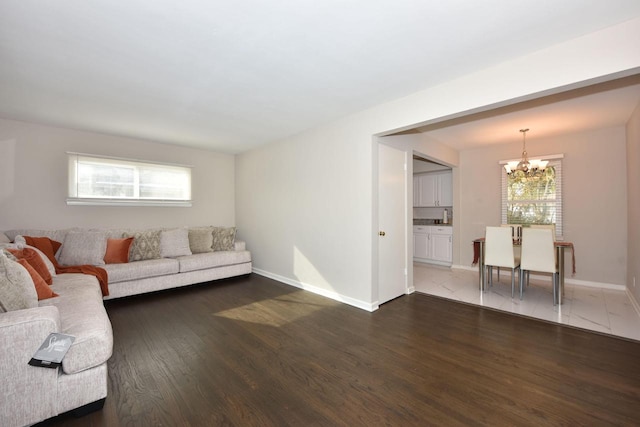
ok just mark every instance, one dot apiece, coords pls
pixel 528 167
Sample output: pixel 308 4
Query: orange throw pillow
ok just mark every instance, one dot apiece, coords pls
pixel 33 258
pixel 118 251
pixel 47 246
pixel 43 290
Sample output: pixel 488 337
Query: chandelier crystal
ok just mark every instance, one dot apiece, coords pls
pixel 527 167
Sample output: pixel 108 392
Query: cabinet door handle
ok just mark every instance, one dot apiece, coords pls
pixel 382 233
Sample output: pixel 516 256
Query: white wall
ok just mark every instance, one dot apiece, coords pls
pixel 633 213
pixel 33 180
pixel 594 198
pixel 308 203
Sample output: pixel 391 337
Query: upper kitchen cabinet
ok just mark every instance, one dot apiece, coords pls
pixel 433 189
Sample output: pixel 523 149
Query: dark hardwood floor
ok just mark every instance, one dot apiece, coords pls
pixel 254 352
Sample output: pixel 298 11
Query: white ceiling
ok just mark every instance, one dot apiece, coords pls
pixel 231 75
pixel 594 107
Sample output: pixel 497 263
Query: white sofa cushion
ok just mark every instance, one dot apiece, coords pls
pixel 213 259
pixel 57 235
pixel 141 269
pixel 82 315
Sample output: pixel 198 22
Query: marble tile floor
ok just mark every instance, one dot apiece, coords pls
pixel 596 309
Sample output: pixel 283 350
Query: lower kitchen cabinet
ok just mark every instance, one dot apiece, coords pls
pixel 433 244
pixel 442 244
pixel 421 241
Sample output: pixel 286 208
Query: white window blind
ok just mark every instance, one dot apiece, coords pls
pixel 97 180
pixel 534 201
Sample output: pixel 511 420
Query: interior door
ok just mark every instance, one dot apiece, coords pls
pixel 392 217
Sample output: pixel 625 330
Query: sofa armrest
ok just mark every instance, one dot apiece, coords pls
pixel 239 245
pixel 28 393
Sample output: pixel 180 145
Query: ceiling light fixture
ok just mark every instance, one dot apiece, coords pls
pixel 528 167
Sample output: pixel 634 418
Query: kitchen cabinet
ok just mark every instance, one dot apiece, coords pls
pixel 433 244
pixel 421 245
pixel 433 189
pixel 441 239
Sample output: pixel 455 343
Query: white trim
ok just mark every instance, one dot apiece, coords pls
pixel 633 300
pixel 320 291
pixel 123 202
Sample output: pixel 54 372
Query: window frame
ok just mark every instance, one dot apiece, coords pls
pixel 555 160
pixel 73 198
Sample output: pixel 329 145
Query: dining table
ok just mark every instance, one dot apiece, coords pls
pixel 560 247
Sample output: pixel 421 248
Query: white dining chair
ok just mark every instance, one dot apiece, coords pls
pixel 552 227
pixel 516 233
pixel 498 252
pixel 539 254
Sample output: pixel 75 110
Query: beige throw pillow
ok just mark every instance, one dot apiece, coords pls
pixel 200 240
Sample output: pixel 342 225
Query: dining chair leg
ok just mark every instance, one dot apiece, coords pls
pixel 559 286
pixel 491 276
pixel 498 273
pixel 486 272
pixel 520 281
pixel 513 274
pixel 555 289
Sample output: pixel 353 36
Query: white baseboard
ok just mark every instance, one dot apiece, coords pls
pixel 634 302
pixel 567 280
pixel 320 291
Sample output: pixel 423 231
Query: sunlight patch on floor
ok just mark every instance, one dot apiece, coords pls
pixel 278 311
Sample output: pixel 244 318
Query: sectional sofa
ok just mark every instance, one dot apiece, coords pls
pixel 136 262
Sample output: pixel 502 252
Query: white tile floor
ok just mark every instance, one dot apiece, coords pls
pixel 596 309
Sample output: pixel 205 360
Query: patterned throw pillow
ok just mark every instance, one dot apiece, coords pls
pixel 200 240
pixel 17 290
pixel 146 245
pixel 223 238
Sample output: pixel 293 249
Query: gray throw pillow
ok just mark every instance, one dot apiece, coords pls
pixel 83 247
pixel 146 245
pixel 223 238
pixel 17 290
pixel 174 243
pixel 200 240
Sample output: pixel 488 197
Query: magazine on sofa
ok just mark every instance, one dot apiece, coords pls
pixel 52 350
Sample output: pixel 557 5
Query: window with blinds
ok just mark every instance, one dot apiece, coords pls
pixel 534 200
pixel 97 180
